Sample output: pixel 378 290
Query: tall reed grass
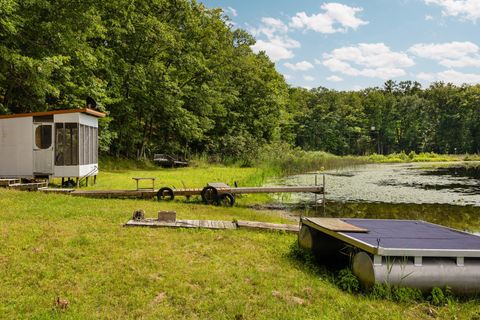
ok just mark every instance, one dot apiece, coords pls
pixel 281 159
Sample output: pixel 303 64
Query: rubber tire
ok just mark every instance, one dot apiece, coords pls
pixel 226 197
pixel 165 193
pixel 209 195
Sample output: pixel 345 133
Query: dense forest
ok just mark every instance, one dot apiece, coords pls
pixel 176 77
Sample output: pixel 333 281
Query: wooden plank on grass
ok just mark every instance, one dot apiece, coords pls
pixel 206 224
pixel 335 224
pixel 268 226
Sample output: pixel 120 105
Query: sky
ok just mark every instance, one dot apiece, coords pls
pixel 350 45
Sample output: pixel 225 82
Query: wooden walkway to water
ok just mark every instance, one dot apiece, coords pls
pixel 213 224
pixel 146 194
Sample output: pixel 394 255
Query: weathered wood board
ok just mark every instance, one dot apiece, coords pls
pixel 206 224
pixel 56 190
pixel 268 226
pixel 213 224
pixel 335 224
pixel 31 186
pixel 6 182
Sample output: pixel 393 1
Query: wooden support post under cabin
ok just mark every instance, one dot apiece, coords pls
pixel 167 216
pixel 95 179
pixel 77 182
pixel 63 181
pixel 86 181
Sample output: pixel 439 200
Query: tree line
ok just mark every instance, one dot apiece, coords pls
pixel 400 116
pixel 176 77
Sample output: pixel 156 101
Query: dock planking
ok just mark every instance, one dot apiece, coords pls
pixel 204 224
pixel 256 225
pixel 146 194
pixel 213 224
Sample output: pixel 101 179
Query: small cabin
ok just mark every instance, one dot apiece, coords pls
pixel 51 144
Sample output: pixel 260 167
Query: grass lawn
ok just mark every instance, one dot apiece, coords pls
pixel 76 249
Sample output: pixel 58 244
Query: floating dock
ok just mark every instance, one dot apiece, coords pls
pixel 408 253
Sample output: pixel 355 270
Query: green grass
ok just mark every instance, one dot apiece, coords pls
pixel 421 157
pixel 77 249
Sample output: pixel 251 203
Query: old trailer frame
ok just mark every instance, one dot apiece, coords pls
pixel 167 193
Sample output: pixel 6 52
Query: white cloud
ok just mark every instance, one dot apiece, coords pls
pixel 232 11
pixel 428 17
pixel 276 48
pixel 451 76
pixel 299 66
pixel 334 78
pixel 277 44
pixel 464 9
pixel 308 78
pixel 374 60
pixel 450 54
pixel 270 27
pixel 336 17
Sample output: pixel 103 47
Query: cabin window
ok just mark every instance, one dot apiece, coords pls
pixel 66 144
pixel 43 136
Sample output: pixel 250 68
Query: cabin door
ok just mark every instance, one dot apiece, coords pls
pixel 43 148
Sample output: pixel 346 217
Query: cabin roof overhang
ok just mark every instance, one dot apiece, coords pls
pixel 88 111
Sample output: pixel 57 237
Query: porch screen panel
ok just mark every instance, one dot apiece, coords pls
pixel 90 145
pixel 81 143
pixel 72 135
pixel 87 146
pixel 59 144
pixel 66 144
pixel 95 145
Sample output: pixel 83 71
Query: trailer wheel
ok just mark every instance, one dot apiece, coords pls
pixel 209 195
pixel 165 193
pixel 226 199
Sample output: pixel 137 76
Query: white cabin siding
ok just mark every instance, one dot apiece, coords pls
pixel 16 147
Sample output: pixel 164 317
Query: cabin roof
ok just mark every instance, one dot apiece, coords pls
pixel 88 111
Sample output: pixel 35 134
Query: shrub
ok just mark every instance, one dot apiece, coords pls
pixel 347 281
pixel 395 293
pixel 439 297
pixel 403 294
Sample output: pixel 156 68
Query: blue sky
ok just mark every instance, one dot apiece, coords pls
pixel 349 45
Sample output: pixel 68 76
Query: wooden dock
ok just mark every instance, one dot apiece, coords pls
pixel 213 224
pixel 139 194
pixel 148 194
pixel 56 190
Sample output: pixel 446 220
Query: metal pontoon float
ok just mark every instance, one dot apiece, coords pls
pixel 409 253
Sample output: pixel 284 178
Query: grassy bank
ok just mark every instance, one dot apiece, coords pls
pixel 76 248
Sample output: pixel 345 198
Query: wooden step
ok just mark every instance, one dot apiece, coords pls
pixel 5 182
pixel 31 186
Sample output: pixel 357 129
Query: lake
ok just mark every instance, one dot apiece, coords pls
pixel 443 193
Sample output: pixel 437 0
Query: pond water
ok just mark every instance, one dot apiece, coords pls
pixel 443 193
